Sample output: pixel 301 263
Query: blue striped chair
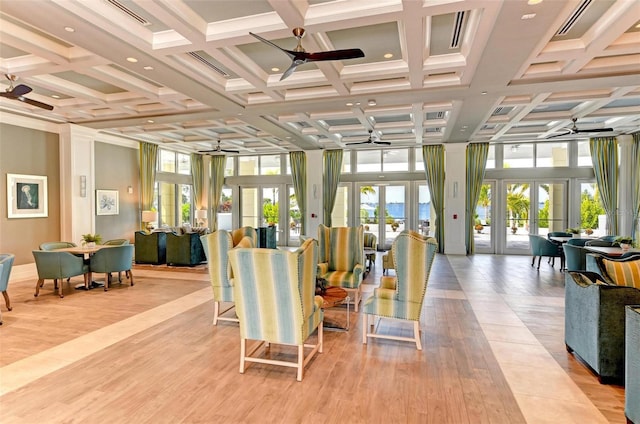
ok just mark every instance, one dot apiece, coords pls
pixel 275 299
pixel 341 258
pixel 401 297
pixel 216 247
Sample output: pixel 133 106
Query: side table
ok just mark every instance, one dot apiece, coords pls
pixel 332 297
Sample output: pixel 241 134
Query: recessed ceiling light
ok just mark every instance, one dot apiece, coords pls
pixel 150 121
pixel 528 16
pixel 69 29
pixel 371 102
pixel 132 59
pixel 388 55
pixel 275 69
pixel 483 93
pixel 55 96
pixel 288 137
pixel 349 104
pixel 148 68
pixel 357 103
pixel 532 2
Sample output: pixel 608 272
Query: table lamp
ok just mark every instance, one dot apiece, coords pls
pixel 149 217
pixel 201 216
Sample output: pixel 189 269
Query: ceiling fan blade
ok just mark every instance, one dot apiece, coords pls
pixel 20 90
pixel 289 71
pixel 358 142
pixel 595 130
pixel 264 40
pixel 207 151
pixel 35 103
pixel 335 55
pixel 386 143
pixel 229 151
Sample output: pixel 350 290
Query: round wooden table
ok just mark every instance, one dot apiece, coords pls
pixel 333 296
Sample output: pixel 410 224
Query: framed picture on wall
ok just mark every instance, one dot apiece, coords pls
pixel 107 202
pixel 27 196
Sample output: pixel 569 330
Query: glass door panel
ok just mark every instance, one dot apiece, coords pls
pixel 340 214
pixel 516 224
pixel 250 213
pixel 294 219
pixel 225 210
pixel 424 210
pixel 551 211
pixel 483 235
pixel 184 203
pixel 383 211
pixel 394 197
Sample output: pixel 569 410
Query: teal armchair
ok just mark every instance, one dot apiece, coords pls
pixel 185 249
pixel 58 266
pixel 575 257
pixel 401 297
pixel 6 263
pixel 540 247
pixel 112 259
pixel 275 299
pixel 341 258
pixel 151 248
pixel 53 245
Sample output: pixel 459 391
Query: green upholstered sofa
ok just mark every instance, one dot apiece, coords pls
pixel 151 248
pixel 595 319
pixel 185 249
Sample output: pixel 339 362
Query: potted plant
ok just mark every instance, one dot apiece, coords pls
pixel 514 229
pixel 625 242
pixel 479 227
pixel 588 231
pixel 394 226
pixel 90 240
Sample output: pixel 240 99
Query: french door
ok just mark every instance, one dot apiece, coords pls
pixel 273 204
pixel 383 210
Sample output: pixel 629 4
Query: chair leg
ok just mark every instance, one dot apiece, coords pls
pixel 216 311
pixel 300 362
pixel 130 275
pixel 365 325
pixel 416 334
pixel 60 293
pixel 533 261
pixel 106 281
pixel 539 258
pixel 6 300
pixel 39 284
pixel 321 336
pixel 243 350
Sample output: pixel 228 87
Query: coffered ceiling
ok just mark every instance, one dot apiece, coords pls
pixel 187 73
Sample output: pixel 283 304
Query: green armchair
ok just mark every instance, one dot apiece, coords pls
pixel 112 259
pixel 401 297
pixel 185 249
pixel 595 313
pixel 59 266
pixel 341 258
pixel 6 263
pixel 275 299
pixel 151 248
pixel 540 247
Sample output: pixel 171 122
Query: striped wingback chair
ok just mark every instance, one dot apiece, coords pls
pixel 371 242
pixel 401 296
pixel 341 258
pixel 216 247
pixel 276 303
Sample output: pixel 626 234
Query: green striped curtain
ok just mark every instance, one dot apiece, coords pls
pixel 635 195
pixel 148 163
pixel 604 156
pixel 299 175
pixel 197 173
pixel 433 157
pixel 332 160
pixel 476 161
pixel 217 181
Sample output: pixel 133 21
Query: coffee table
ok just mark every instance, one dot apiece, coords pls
pixel 332 297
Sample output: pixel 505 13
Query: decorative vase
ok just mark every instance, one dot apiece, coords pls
pixel 576 235
pixel 624 246
pixel 90 244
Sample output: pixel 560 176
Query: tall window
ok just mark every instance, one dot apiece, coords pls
pixel 174 189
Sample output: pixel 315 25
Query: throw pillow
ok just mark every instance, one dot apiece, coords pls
pixel 623 273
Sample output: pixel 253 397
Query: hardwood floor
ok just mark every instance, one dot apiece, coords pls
pixel 492 339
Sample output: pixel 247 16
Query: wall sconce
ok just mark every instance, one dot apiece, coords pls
pixel 201 216
pixel 455 189
pixel 83 186
pixel 149 217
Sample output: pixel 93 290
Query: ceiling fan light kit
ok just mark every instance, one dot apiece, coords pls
pixel 219 149
pixel 370 140
pixel 299 56
pixel 575 130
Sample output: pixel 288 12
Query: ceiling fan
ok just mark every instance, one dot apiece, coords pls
pixel 18 92
pixel 575 130
pixel 218 149
pixel 299 56
pixel 370 141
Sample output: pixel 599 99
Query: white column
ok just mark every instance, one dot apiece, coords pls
pixel 455 189
pixel 77 208
pixel 314 193
pixel 625 179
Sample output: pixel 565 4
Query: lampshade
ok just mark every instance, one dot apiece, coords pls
pixel 149 216
pixel 201 214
